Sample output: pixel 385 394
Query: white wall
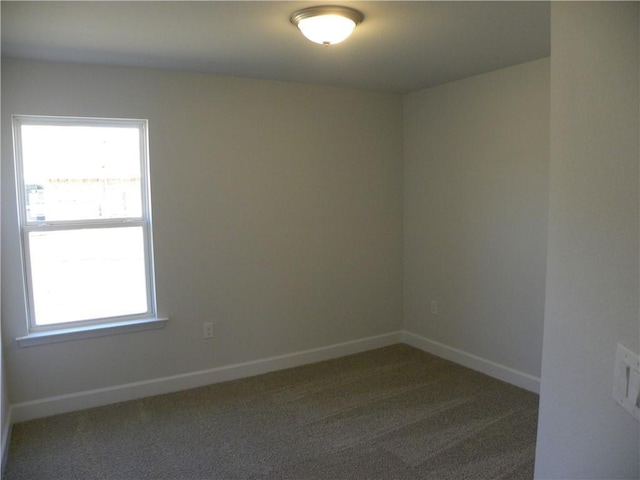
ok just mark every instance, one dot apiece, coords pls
pixel 592 276
pixel 5 418
pixel 277 214
pixel 475 214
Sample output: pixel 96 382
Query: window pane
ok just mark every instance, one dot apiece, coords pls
pixel 81 172
pixel 87 274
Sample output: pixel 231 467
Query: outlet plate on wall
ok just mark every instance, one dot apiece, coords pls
pixel 207 330
pixel 626 381
pixel 434 307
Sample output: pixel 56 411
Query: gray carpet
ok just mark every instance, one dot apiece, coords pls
pixel 392 413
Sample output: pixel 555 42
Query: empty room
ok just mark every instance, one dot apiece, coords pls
pixel 237 247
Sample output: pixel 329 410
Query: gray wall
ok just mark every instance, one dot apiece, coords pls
pixel 592 275
pixel 475 213
pixel 277 214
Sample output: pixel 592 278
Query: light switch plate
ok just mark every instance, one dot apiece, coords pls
pixel 626 381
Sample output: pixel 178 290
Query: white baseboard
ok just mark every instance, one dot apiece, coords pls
pixel 45 407
pixel 94 398
pixel 6 438
pixel 488 367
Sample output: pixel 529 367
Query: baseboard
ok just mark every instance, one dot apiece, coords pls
pixel 104 396
pixel 45 407
pixel 6 439
pixel 488 367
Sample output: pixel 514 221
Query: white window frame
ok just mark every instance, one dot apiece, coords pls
pixel 78 329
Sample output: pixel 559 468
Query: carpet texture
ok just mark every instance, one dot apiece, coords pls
pixel 391 413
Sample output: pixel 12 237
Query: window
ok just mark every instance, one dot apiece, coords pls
pixel 85 220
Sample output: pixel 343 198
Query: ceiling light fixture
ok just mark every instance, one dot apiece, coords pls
pixel 327 24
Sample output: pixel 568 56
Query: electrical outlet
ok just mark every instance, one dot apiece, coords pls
pixel 207 330
pixel 434 307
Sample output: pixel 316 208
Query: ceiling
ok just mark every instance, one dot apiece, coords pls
pixel 400 46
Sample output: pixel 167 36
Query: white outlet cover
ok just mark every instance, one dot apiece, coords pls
pixel 626 382
pixel 207 330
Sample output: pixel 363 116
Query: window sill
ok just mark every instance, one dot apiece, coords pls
pixel 90 331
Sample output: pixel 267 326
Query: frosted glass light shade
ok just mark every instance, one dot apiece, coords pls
pixel 326 29
pixel 327 25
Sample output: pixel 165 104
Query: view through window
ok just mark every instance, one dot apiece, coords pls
pixel 85 219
